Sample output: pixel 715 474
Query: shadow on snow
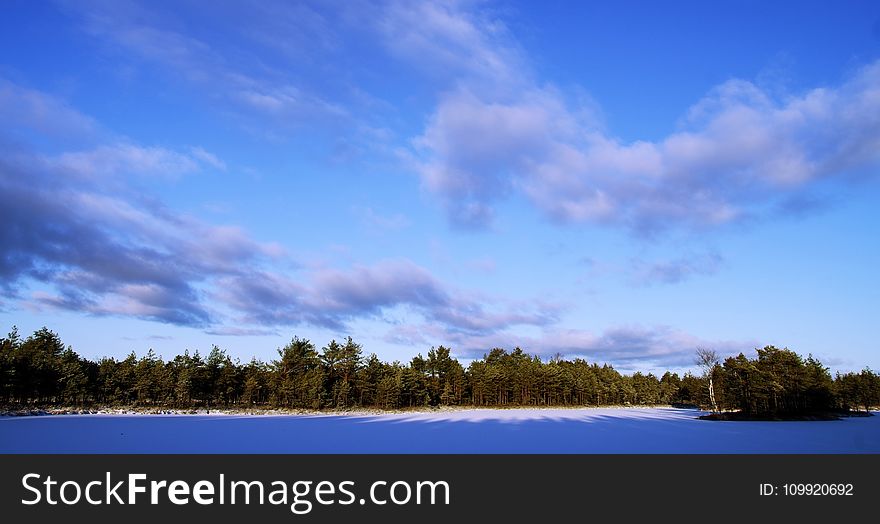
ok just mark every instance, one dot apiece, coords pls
pixel 599 430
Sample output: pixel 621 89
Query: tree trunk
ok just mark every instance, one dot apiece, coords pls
pixel 712 395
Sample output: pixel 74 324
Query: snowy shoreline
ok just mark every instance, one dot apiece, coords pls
pixel 304 412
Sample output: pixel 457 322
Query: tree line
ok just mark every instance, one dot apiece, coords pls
pixel 41 371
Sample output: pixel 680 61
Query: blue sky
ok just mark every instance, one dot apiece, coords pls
pixel 622 182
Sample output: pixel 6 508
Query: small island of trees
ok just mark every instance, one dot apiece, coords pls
pixel 41 372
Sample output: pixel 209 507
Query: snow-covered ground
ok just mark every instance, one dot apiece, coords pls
pixel 600 430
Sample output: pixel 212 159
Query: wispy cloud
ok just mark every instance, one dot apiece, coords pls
pixel 740 151
pixel 677 269
pixel 232 74
pixel 71 224
pixel 207 158
pixel 77 236
pixel 104 255
pixel 124 159
pixel 630 347
pixel 331 298
pixel 232 331
pixel 28 110
pixel 101 249
pixel 464 39
pixel 378 221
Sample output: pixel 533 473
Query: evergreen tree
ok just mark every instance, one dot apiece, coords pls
pixel 298 375
pixel 40 370
pixel 341 363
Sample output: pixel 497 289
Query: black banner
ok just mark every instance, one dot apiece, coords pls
pixel 435 488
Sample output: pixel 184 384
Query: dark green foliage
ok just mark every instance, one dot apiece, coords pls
pixel 670 386
pixel 858 390
pixel 298 376
pixel 40 370
pixel 341 363
pixel 778 382
pixel 256 385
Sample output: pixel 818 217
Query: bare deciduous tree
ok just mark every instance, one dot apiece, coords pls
pixel 707 359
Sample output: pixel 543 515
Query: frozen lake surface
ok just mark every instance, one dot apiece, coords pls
pixel 601 430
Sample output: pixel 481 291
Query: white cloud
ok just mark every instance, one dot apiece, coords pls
pixel 27 109
pixel 677 269
pixel 124 159
pixel 451 37
pixel 740 150
pixel 207 158
pixel 630 347
pixel 243 81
